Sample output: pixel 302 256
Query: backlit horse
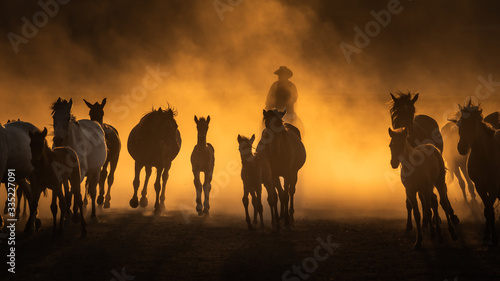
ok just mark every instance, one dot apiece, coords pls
pixel 202 160
pixel 51 169
pixel 113 144
pixel 483 142
pixel 154 142
pixel 84 136
pixel 421 129
pixel 282 144
pixel 421 176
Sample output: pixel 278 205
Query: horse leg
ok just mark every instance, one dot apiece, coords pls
pixel 245 204
pixel 412 197
pixel 279 188
pixel 409 225
pixel 19 197
pixel 93 179
pixel 198 187
pixel 111 179
pixel 470 186
pixel 159 171
pixel 86 193
pixel 33 202
pixel 24 206
pixel 260 208
pixel 102 182
pixel 164 185
pixel 451 218
pixel 53 209
pixel 425 219
pixel 76 189
pixel 134 202
pixel 62 205
pixel 144 192
pixel 426 209
pixel 207 186
pixel 436 220
pixel 67 195
pixel 285 199
pixel 293 183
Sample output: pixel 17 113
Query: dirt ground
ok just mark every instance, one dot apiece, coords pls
pixel 134 245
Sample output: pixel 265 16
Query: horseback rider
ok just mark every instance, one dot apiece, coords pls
pixel 283 94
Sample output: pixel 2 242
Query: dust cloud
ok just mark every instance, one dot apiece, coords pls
pixel 184 53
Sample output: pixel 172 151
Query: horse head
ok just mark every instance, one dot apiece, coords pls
pixel 61 114
pixel 397 145
pixel 202 125
pixel 96 112
pixel 245 146
pixel 37 145
pixel 403 109
pixel 273 119
pixel 468 124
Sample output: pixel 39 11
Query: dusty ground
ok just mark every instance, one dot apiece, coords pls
pixel 220 247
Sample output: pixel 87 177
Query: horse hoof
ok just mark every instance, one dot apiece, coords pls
pixel 162 206
pixel 134 202
pixel 144 202
pixel 409 228
pixel 38 224
pixel 94 218
pixel 100 199
pixel 200 213
pixel 250 227
pixel 454 236
pixel 157 212
pixel 107 205
pixel 206 211
pixel 455 220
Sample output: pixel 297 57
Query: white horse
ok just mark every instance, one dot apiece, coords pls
pixel 19 159
pixel 86 137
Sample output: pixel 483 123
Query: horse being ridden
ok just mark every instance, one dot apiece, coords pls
pixel 421 129
pixel 282 144
pixel 154 142
pixel 113 144
pixel 86 137
pixel 483 142
pixel 202 160
pixel 456 163
pixel 51 169
pixel 421 178
pixel 255 171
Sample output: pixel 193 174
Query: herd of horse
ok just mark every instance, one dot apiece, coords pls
pixel 471 147
pixel 83 149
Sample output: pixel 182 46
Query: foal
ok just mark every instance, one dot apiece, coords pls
pixel 51 169
pixel 422 168
pixel 202 160
pixel 256 171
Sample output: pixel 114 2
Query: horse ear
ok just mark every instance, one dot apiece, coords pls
pixel 70 103
pixel 460 107
pixel 392 96
pixel 59 99
pixel 391 132
pixel 283 113
pixel 415 98
pixel 44 132
pixel 239 139
pixel 89 105
pixel 196 119
pixel 480 111
pixel 103 103
pixel 208 119
pixel 263 111
pixel 252 138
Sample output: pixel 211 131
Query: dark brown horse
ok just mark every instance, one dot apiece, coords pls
pixel 282 144
pixel 113 144
pixel 154 142
pixel 421 129
pixel 482 140
pixel 255 171
pixel 421 176
pixel 51 169
pixel 202 160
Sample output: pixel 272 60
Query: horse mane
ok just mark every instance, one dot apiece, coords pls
pixel 60 104
pixel 400 97
pixel 473 109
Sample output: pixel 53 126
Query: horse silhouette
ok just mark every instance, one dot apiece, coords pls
pixel 421 129
pixel 255 171
pixel 86 137
pixel 282 144
pixel 113 144
pixel 483 142
pixel 202 160
pixel 51 169
pixel 154 142
pixel 456 163
pixel 19 159
pixel 421 177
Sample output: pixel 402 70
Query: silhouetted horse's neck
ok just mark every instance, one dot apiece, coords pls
pixel 202 139
pixel 483 144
